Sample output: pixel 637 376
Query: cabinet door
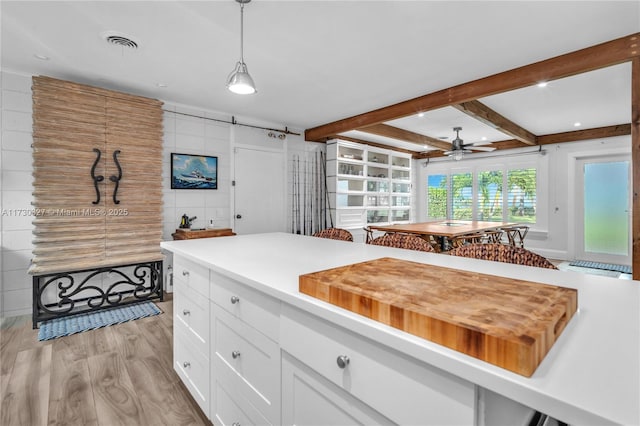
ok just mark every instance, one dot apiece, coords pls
pixel 68 149
pixel 133 179
pixel 310 399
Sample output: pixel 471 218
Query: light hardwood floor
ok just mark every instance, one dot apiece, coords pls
pixel 118 375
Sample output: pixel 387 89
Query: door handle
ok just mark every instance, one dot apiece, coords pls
pixel 116 179
pixel 96 179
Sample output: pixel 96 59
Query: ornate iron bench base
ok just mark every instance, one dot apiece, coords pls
pixel 143 281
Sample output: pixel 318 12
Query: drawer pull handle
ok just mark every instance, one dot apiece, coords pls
pixel 186 312
pixel 186 364
pixel 342 361
pixel 185 273
pixel 235 424
pixel 235 299
pixel 235 354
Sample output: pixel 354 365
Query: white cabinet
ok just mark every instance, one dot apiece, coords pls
pixel 392 385
pixel 368 185
pixel 191 329
pixel 246 354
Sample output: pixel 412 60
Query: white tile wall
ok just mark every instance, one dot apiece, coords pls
pixel 15 195
pixel 194 135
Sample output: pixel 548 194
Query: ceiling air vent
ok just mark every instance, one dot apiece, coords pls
pixel 120 39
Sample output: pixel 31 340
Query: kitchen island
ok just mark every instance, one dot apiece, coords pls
pixel 253 350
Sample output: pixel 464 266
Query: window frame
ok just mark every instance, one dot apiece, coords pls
pixel 505 164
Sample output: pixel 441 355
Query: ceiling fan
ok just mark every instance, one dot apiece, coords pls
pixel 459 148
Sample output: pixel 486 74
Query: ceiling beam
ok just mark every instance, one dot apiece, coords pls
pixel 591 58
pixel 573 136
pixel 406 136
pixel 586 134
pixel 376 144
pixel 486 115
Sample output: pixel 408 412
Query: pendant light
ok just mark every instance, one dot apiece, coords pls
pixel 239 81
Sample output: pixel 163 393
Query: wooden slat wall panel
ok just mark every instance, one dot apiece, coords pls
pixel 72 233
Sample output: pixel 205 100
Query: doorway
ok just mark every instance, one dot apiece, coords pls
pixel 259 191
pixel 603 207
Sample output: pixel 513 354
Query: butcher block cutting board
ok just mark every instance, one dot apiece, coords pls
pixel 506 322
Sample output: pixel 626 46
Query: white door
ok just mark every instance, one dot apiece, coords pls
pixel 603 207
pixel 259 191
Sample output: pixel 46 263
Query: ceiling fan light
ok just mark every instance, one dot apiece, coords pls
pixel 239 81
pixel 457 155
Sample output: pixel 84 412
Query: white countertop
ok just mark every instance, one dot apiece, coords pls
pixel 591 375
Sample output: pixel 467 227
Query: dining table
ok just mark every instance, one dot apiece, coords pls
pixel 443 231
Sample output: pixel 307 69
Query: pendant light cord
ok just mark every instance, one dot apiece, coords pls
pixel 242 33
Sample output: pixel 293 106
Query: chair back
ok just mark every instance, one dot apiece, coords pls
pixel 503 253
pixel 516 234
pixel 334 234
pixel 405 241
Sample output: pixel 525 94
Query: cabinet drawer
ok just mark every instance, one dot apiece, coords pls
pixel 255 308
pixel 310 399
pixel 399 387
pixel 350 218
pixel 229 412
pixel 190 276
pixel 247 361
pixel 192 367
pixel 193 313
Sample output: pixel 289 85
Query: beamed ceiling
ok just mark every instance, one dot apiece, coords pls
pixel 502 111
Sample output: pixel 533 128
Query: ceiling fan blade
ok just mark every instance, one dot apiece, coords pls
pixel 448 152
pixel 482 148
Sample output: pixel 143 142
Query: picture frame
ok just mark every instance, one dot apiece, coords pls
pixel 192 171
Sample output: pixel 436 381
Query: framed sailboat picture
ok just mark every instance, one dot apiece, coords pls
pixel 193 171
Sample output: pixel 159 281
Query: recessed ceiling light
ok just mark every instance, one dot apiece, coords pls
pixel 425 146
pixel 484 138
pixel 163 85
pixel 577 124
pixel 542 84
pixel 41 57
pixel 421 114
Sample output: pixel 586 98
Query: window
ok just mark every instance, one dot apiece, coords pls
pixel 437 194
pixel 522 195
pixel 480 195
pixel 462 196
pixel 489 190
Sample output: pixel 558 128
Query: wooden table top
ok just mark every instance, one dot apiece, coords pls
pixel 190 234
pixel 507 322
pixel 443 228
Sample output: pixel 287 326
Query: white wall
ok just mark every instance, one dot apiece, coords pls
pixel 191 135
pixel 182 134
pixel 15 195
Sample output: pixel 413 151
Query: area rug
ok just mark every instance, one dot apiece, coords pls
pixel 625 269
pixel 58 327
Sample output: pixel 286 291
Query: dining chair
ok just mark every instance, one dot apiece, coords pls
pixel 503 253
pixel 405 241
pixel 368 232
pixel 334 234
pixel 516 234
pixel 485 237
